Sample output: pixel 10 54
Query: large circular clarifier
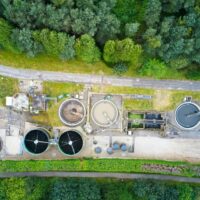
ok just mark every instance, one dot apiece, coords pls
pixel 70 142
pixel 104 113
pixel 188 115
pixel 72 112
pixel 36 141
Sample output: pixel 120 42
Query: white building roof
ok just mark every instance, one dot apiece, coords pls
pixel 9 101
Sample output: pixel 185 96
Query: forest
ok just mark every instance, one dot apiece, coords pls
pixel 153 37
pixel 33 188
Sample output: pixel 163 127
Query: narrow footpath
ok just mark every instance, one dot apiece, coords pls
pixel 97 79
pixel 101 175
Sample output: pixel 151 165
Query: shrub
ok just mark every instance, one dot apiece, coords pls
pixel 126 50
pixel 154 68
pixel 86 49
pixel 193 74
pixel 179 63
pixel 120 68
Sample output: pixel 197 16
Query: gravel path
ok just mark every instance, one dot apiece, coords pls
pixel 101 175
pixel 97 79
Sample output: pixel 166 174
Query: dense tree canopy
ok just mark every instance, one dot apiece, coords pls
pixel 174 37
pixel 56 43
pixel 24 41
pixel 73 16
pixel 94 189
pixel 168 31
pixel 5 33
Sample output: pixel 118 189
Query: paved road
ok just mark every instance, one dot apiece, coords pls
pixel 97 79
pixel 100 175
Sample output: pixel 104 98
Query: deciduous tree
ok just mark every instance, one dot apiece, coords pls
pixel 86 49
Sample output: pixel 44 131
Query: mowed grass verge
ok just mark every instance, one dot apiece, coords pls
pixel 101 165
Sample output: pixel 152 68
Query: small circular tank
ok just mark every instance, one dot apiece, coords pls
pixel 98 150
pixel 70 142
pixel 116 146
pixel 36 141
pixel 123 147
pixel 72 112
pixel 104 113
pixel 188 115
pixel 109 150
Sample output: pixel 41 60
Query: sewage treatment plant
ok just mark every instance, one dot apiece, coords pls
pixel 98 125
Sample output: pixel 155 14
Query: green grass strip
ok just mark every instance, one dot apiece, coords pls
pixel 101 165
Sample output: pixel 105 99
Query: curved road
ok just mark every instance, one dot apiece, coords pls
pixel 101 175
pixel 97 79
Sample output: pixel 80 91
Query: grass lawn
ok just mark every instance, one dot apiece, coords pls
pixel 177 96
pixel 44 62
pixel 135 116
pixel 54 89
pixel 8 87
pixel 102 165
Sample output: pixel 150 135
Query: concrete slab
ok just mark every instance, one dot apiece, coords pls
pixel 13 145
pixel 167 149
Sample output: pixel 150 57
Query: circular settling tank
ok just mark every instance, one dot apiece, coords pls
pixel 36 141
pixel 70 142
pixel 72 112
pixel 104 113
pixel 188 115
